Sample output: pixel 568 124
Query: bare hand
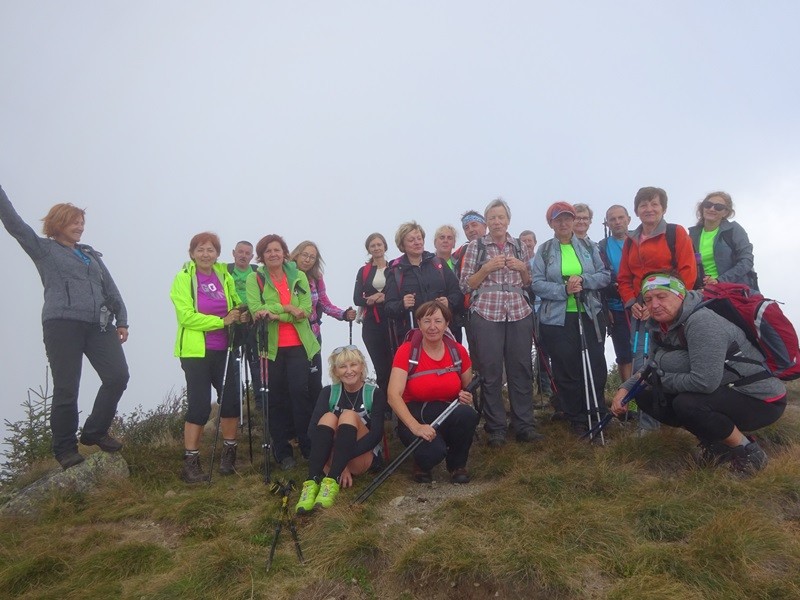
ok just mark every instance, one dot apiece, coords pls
pixel 616 404
pixel 409 301
pixel 516 264
pixel 350 315
pixel 231 317
pixel 245 316
pixel 574 284
pixel 426 432
pixel 465 397
pixel 640 311
pixel 494 264
pixel 122 332
pixel 346 478
pixel 707 280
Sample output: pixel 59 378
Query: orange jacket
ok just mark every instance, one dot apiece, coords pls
pixel 653 255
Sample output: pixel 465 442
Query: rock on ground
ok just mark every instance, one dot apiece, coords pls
pixel 88 475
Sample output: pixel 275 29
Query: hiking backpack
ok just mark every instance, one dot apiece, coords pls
pixel 415 337
pixel 763 322
pixel 336 393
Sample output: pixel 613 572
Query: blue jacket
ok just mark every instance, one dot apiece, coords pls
pixel 548 283
pixel 733 253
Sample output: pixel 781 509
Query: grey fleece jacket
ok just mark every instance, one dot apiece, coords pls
pixel 701 367
pixel 72 290
pixel 734 263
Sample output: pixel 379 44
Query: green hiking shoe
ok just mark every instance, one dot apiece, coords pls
pixel 307 497
pixel 328 491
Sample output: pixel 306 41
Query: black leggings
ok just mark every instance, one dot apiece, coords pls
pixel 713 416
pixel 453 437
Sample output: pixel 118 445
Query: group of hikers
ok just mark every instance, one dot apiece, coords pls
pixel 682 363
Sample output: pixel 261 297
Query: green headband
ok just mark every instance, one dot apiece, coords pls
pixel 663 281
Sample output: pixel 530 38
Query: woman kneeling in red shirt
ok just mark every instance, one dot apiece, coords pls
pixel 418 398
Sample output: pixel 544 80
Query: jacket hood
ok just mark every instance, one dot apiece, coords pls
pixel 660 228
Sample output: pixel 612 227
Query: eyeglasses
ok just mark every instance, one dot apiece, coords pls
pixel 587 219
pixel 307 256
pixel 715 205
pixel 341 349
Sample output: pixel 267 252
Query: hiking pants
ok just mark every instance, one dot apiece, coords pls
pixel 203 373
pixel 453 437
pixel 66 342
pixel 289 406
pixel 499 344
pixel 376 339
pixel 564 345
pixel 713 416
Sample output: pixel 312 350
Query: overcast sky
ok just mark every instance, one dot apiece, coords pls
pixel 330 120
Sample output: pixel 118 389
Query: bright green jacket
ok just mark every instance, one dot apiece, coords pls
pixel 192 325
pixel 270 300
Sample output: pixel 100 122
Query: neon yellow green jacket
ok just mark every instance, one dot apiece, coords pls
pixel 270 300
pixel 192 325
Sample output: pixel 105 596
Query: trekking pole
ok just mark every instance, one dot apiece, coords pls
pixel 545 362
pixel 637 386
pixel 286 516
pixel 246 367
pixel 588 376
pixel 392 467
pixel 350 323
pixel 221 400
pixel 263 347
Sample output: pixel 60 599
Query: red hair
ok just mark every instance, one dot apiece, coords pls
pixel 202 238
pixel 59 217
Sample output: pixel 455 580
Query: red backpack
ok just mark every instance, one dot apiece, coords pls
pixel 764 323
pixel 415 337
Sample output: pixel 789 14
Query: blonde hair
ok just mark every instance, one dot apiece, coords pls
pixel 59 217
pixel 346 355
pixel 446 228
pixel 315 272
pixel 726 200
pixel 404 230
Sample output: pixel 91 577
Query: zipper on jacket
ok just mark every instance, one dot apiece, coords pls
pixel 69 298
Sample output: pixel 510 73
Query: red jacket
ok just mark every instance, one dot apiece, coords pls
pixel 653 255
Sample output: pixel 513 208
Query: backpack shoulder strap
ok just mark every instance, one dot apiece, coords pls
pixel 230 267
pixel 336 393
pixel 261 283
pixel 369 393
pixel 671 235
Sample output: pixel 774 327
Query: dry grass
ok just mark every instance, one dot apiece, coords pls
pixel 634 519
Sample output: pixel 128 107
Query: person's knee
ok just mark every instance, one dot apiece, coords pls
pixel 349 417
pixel 328 420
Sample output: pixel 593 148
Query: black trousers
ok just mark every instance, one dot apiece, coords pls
pixel 713 416
pixel 66 343
pixel 453 437
pixel 288 405
pixel 376 339
pixel 564 346
pixel 205 373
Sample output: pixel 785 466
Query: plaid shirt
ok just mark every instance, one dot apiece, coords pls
pixel 497 305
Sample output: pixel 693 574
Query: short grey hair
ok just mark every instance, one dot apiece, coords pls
pixel 494 204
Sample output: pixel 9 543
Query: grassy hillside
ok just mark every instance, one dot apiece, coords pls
pixel 634 519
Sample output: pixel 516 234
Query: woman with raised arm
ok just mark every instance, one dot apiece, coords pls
pixel 279 292
pixel 346 430
pixel 308 259
pixel 205 300
pixel 725 252
pixel 83 314
pixel 369 296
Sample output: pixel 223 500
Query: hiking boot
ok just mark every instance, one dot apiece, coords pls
pixel 192 472
pixel 308 495
pixel 529 435
pixel 496 441
pixel 106 443
pixel 421 476
pixel 578 429
pixel 460 475
pixel 288 463
pixel 227 464
pixel 711 454
pixel 69 459
pixel 749 459
pixel 328 490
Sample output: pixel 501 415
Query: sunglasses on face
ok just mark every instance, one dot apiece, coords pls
pixel 715 205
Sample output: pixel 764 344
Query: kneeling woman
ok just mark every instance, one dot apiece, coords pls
pixel 708 376
pixel 346 430
pixel 204 296
pixel 419 393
